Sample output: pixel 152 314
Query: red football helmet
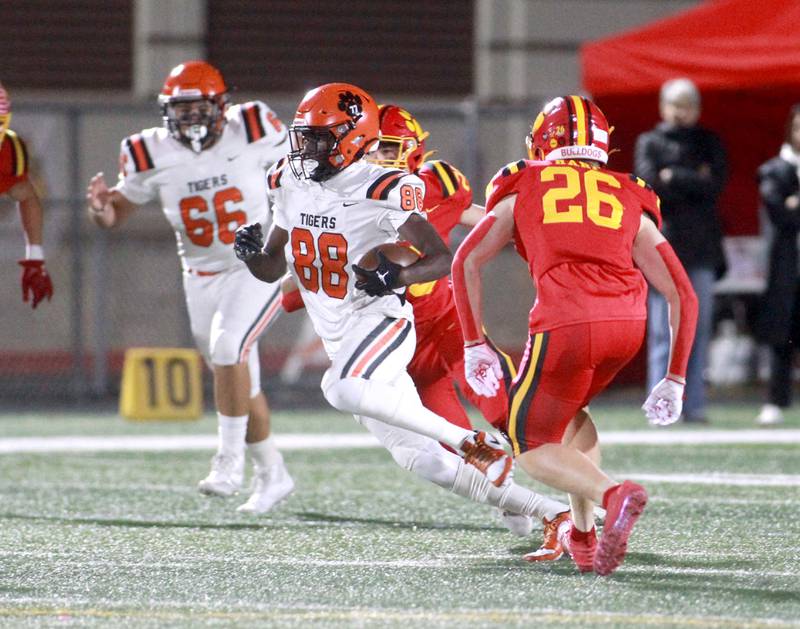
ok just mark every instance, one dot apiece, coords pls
pixel 335 125
pixel 193 103
pixel 399 129
pixel 569 127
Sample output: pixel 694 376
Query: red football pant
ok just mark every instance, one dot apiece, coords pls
pixel 561 371
pixel 438 367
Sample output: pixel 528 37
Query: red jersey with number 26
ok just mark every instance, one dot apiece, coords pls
pixel 447 195
pixel 575 224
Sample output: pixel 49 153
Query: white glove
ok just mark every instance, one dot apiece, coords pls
pixel 664 404
pixel 482 369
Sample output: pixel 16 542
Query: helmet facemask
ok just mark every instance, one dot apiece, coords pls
pixel 194 122
pixel 403 148
pixel 315 152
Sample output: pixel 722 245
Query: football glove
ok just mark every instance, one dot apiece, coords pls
pixel 380 281
pixel 482 369
pixel 248 242
pixel 36 284
pixel 664 404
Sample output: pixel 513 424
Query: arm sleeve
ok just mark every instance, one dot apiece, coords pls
pixel 684 335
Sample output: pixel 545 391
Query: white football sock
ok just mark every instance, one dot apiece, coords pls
pixel 470 483
pixel 264 453
pixel 231 432
pixel 395 405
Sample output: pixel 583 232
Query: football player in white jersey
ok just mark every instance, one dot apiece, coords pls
pixel 206 166
pixel 330 208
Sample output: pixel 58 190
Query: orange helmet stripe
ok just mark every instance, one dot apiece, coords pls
pixel 582 119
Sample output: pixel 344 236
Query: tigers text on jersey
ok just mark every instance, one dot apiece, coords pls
pixel 13 161
pixel 447 196
pixel 206 196
pixel 331 225
pixel 575 225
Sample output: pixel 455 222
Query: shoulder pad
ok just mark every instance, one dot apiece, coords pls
pixel 276 172
pixel 258 121
pixel 446 176
pixel 19 153
pixel 506 171
pixel 386 181
pixel 138 152
pixel 640 182
pixel 651 203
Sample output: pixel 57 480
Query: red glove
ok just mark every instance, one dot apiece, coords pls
pixel 36 284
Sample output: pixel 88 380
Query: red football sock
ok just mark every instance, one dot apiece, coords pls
pixel 581 536
pixel 607 495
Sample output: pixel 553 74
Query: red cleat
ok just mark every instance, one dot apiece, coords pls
pixel 487 454
pixel 625 506
pixel 581 551
pixel 554 530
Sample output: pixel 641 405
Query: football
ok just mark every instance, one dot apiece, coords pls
pixel 399 254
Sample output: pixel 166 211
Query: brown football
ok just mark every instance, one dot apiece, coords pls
pixel 399 254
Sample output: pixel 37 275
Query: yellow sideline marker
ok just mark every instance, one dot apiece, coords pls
pixel 161 383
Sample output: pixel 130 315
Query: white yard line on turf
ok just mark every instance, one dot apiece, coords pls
pixel 316 441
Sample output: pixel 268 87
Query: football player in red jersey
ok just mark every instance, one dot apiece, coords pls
pixel 590 237
pixel 14 182
pixel 437 367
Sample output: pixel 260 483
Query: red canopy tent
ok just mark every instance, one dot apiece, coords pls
pixel 745 57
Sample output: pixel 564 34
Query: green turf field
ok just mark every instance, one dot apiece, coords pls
pixel 122 539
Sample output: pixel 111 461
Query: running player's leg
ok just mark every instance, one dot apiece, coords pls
pixel 271 480
pixel 429 460
pixel 244 310
pixel 367 377
pixel 563 369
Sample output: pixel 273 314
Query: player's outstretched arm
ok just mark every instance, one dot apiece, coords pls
pixel 657 260
pixel 266 262
pixel 107 207
pixel 35 281
pixel 481 365
pixel 436 257
pixel 482 244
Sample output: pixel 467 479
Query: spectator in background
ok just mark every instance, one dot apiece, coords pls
pixel 779 323
pixel 686 166
pixel 14 182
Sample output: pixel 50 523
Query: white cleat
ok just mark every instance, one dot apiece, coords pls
pixel 226 476
pixel 270 486
pixel 519 524
pixel 770 415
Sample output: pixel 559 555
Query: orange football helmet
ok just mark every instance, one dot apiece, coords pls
pixel 193 103
pixel 569 127
pixel 335 125
pixel 400 129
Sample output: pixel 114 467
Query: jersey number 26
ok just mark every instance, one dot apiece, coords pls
pixel 602 208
